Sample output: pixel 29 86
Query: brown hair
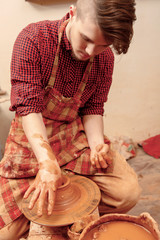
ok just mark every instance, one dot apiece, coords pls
pixel 115 19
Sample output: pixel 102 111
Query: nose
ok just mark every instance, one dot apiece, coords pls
pixel 90 49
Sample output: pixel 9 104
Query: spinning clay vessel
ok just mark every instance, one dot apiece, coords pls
pixel 76 198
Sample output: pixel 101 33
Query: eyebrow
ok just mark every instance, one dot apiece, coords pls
pixel 90 40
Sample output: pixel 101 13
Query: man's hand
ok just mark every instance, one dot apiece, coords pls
pixel 99 156
pixel 49 175
pixel 93 126
pixel 44 186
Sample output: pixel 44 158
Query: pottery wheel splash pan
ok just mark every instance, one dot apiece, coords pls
pixel 76 198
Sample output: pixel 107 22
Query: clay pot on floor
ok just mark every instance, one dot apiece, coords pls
pixel 145 225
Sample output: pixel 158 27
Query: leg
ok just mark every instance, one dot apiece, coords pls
pixel 120 190
pixel 15 230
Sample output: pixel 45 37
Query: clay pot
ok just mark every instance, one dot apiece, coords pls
pixel 144 220
pixel 67 195
pixel 76 198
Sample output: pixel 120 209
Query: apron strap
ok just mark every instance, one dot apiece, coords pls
pixel 55 65
pixel 84 79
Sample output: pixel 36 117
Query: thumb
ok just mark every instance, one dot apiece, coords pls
pixel 99 147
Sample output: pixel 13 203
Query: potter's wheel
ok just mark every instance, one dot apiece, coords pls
pixel 76 198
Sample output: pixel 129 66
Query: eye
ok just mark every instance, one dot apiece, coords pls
pixel 85 38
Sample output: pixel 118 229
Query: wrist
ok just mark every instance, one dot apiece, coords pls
pixel 49 165
pixel 95 143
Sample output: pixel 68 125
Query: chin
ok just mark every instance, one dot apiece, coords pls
pixel 79 57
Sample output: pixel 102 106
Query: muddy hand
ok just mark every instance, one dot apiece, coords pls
pixel 99 156
pixel 44 186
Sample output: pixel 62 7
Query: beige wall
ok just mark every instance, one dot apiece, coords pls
pixel 133 107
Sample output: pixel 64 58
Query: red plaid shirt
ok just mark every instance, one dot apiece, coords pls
pixel 31 66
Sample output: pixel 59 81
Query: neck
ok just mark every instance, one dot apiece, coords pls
pixel 68 31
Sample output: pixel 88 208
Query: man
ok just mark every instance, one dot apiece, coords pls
pixel 61 73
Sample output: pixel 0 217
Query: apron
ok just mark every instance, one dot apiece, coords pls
pixel 64 130
pixel 66 136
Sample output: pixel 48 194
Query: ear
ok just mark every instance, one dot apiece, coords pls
pixel 72 11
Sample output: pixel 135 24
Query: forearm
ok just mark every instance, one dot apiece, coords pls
pixel 93 126
pixel 48 177
pixel 35 131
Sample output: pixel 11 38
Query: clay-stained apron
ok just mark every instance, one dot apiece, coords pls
pixel 66 136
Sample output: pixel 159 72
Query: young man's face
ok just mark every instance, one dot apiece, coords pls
pixel 86 38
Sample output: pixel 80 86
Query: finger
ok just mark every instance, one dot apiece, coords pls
pixel 108 160
pixel 106 148
pixel 93 162
pixel 106 157
pixel 51 201
pixel 99 147
pixel 34 198
pixel 29 190
pixel 97 161
pixel 92 159
pixel 102 161
pixel 41 200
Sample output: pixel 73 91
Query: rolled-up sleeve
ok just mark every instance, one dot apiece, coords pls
pixel 102 74
pixel 26 91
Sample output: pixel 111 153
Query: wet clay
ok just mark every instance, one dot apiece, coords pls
pixel 51 169
pixel 75 199
pixel 49 150
pixel 45 145
pixel 46 176
pixel 48 164
pixel 119 230
pixel 49 155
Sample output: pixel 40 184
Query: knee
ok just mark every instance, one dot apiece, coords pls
pixel 122 198
pixel 15 230
pixel 128 195
pixel 6 235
